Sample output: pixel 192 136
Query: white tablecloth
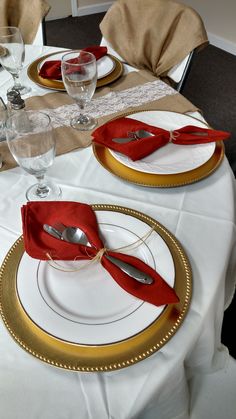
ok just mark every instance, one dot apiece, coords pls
pixel 168 384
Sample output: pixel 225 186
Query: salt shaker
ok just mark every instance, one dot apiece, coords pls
pixel 17 104
pixel 14 101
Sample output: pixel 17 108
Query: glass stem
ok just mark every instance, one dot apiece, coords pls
pixel 82 118
pixel 16 81
pixel 42 189
pixel 81 109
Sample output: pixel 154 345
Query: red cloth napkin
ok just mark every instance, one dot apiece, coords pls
pixel 52 69
pixel 38 243
pixel 136 150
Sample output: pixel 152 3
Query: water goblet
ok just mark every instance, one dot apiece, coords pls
pixel 31 142
pixel 12 50
pixel 3 118
pixel 79 74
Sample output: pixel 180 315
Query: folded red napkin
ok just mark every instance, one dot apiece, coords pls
pixel 136 150
pixel 38 244
pixel 52 69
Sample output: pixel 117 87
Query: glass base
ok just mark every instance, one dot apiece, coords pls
pixel 24 90
pixel 83 122
pixel 50 192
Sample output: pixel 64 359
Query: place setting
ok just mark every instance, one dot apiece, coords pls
pixel 46 70
pixel 158 148
pixel 93 287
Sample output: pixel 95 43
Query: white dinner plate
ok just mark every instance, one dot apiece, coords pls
pixel 105 65
pixel 88 306
pixel 170 159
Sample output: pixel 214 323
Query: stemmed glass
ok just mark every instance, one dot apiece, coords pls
pixel 79 74
pixel 12 52
pixel 31 142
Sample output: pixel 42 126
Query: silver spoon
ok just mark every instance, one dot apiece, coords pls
pixel 76 235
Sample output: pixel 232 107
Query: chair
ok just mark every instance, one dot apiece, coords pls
pixel 28 16
pixel 178 74
pixel 158 35
pixel 40 38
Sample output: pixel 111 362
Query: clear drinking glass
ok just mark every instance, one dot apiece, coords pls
pixel 79 74
pixel 31 142
pixel 12 51
pixel 3 118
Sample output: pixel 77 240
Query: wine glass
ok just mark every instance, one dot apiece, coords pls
pixel 12 50
pixel 31 142
pixel 3 117
pixel 79 74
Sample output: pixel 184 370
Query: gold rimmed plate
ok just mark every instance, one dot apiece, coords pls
pixel 33 74
pixel 110 345
pixel 169 166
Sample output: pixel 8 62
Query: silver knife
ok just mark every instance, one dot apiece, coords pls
pixel 131 270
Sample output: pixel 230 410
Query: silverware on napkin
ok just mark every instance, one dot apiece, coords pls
pixel 76 235
pixel 133 136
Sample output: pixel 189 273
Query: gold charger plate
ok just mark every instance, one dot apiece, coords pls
pixel 59 85
pixel 105 158
pixel 93 358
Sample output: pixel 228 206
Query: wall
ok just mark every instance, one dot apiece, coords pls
pixel 83 3
pixel 59 9
pixel 64 8
pixel 87 7
pixel 219 18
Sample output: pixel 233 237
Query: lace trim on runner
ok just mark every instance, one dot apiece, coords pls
pixel 112 102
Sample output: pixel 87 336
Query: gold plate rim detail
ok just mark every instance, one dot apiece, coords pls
pixel 105 158
pixel 59 85
pixel 95 358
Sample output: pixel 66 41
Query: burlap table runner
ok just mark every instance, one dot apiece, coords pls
pixel 69 139
pixel 25 14
pixel 153 34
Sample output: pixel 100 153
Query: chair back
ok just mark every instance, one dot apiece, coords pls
pixel 157 35
pixel 27 15
pixel 40 37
